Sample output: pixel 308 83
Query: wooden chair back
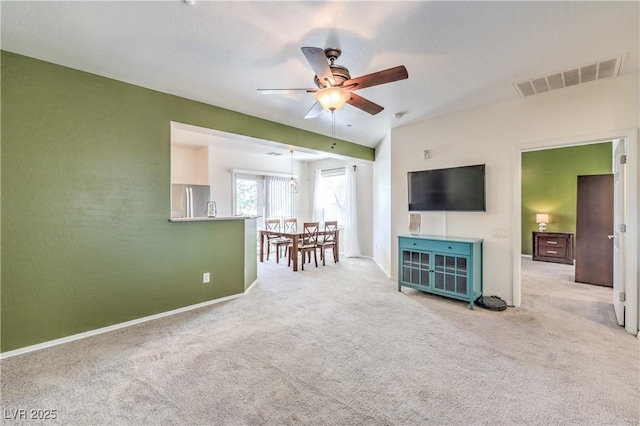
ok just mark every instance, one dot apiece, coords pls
pixel 310 233
pixel 291 225
pixel 272 225
pixel 331 229
pixel 329 240
pixel 308 243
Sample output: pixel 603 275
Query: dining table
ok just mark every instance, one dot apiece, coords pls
pixel 295 237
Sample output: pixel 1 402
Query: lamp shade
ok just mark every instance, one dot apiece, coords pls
pixel 294 186
pixel 542 218
pixel 332 98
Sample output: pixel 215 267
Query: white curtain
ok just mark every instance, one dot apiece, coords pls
pixel 334 198
pixel 351 246
pixel 318 209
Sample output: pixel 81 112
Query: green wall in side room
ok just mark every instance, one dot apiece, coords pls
pixel 86 241
pixel 549 185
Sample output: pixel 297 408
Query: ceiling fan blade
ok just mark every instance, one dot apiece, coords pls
pixel 282 91
pixel 318 61
pixel 376 78
pixel 364 104
pixel 315 110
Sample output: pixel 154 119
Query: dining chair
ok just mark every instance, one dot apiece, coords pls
pixel 273 225
pixel 329 240
pixel 307 244
pixel 290 227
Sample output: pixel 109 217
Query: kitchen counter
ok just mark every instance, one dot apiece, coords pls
pixel 241 233
pixel 208 219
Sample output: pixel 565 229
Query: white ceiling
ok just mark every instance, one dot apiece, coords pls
pixel 459 55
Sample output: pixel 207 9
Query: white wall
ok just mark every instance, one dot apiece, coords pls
pixel 189 165
pixel 489 135
pixel 364 194
pixel 382 205
pixel 222 161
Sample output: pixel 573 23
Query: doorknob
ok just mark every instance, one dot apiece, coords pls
pixel 611 237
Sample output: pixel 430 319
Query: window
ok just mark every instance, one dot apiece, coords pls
pixel 335 199
pixel 332 195
pixel 248 195
pixel 264 196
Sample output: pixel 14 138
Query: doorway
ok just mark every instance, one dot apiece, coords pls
pixel 626 271
pixel 567 209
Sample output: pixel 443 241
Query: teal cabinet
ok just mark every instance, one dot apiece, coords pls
pixel 450 267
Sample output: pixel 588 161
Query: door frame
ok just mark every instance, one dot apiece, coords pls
pixel 631 193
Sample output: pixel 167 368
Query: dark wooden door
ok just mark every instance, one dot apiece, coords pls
pixel 594 224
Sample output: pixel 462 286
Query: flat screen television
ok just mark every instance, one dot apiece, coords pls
pixel 450 189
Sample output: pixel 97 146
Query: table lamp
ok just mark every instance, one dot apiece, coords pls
pixel 542 219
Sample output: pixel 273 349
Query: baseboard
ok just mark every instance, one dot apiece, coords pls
pixel 371 258
pixel 385 272
pixel 526 255
pixel 251 286
pixel 118 326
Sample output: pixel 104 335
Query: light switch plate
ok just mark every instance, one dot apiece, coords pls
pixel 499 233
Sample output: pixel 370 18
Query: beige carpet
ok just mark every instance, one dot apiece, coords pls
pixel 339 345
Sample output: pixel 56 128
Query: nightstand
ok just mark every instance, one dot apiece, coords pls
pixel 553 247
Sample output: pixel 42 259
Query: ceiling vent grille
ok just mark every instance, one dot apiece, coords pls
pixel 583 74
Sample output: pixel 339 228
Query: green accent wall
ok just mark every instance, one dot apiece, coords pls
pixel 549 185
pixel 86 241
pixel 250 250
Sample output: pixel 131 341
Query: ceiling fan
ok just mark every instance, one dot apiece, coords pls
pixel 335 85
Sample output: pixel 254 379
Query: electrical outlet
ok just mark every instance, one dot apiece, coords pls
pixel 426 154
pixel 206 277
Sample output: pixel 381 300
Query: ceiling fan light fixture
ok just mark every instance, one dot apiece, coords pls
pixel 332 98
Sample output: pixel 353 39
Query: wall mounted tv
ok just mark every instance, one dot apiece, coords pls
pixel 451 189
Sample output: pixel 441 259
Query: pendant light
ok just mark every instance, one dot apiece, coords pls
pixel 294 186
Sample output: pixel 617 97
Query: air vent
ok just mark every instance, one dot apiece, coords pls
pixel 275 154
pixel 583 74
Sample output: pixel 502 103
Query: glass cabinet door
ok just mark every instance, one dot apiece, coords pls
pixel 416 267
pixel 450 273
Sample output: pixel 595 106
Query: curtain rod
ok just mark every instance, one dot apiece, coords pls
pixel 338 168
pixel 261 173
pixel 335 168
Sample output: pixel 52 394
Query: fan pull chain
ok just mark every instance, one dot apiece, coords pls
pixel 333 127
pixel 333 124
